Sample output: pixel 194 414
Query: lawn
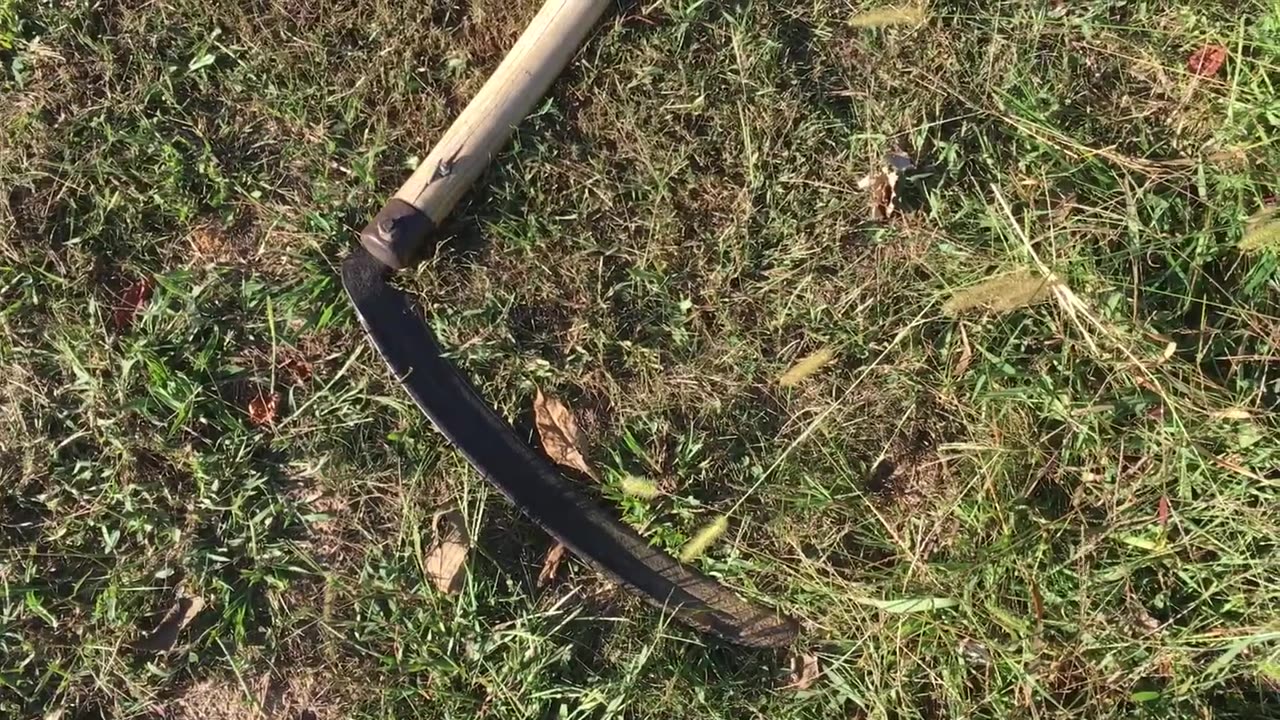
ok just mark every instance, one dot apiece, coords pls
pixel 1037 477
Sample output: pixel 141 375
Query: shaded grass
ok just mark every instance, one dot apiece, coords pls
pixel 673 230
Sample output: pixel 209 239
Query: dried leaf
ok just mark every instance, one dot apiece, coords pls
pixel 889 16
pixel 639 487
pixel 703 539
pixel 165 635
pixel 882 190
pixel 1234 413
pixel 134 296
pixel 551 565
pixel 1001 294
pixel 1162 511
pixel 558 431
pixel 1207 61
pixel 966 354
pixel 807 366
pixel 262 408
pixel 447 559
pixel 804 671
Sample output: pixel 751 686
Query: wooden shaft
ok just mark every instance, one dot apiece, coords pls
pixel 538 57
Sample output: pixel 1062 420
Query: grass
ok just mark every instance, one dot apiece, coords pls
pixel 1058 510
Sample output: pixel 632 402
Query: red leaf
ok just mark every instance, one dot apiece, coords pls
pixel 1162 511
pixel 262 409
pixel 1207 61
pixel 132 299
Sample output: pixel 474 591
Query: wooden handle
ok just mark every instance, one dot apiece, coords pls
pixel 398 234
pixel 510 94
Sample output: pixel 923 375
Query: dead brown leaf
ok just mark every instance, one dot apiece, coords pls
pixel 966 354
pixel 262 408
pixel 551 565
pixel 296 694
pixel 882 188
pixel 1207 61
pixel 558 431
pixel 447 559
pixel 1145 621
pixel 132 298
pixel 804 671
pixel 165 635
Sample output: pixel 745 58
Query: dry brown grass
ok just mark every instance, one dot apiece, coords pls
pixel 308 695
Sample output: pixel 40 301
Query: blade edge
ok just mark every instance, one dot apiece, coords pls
pixel 531 482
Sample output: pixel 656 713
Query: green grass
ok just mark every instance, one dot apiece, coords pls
pixel 675 227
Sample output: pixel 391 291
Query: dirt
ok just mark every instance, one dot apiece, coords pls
pixel 306 696
pixel 247 244
pixel 913 482
pixel 912 474
pixel 493 26
pixel 211 243
pixel 325 536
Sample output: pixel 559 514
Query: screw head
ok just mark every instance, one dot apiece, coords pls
pixel 386 226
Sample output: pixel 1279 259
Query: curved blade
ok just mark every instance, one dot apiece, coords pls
pixel 532 482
